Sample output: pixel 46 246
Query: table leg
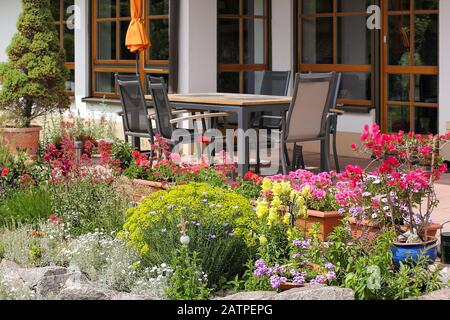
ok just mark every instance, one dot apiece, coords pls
pixel 243 142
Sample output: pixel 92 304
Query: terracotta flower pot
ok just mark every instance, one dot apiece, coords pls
pixel 327 221
pixel 144 188
pixel 359 227
pixel 21 139
pixel 285 286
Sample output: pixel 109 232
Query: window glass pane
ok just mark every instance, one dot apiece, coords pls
pixel 106 41
pixel 69 44
pixel 353 42
pixel 69 9
pixel 228 82
pixel 426 88
pixel 158 7
pixel 228 6
pixel 125 54
pixel 426 40
pixel 395 5
pixel 355 86
pixel 317 40
pixel 228 41
pixel 56 6
pixel 254 7
pixel 254 41
pixel 426 4
pixel 398 40
pixel 317 6
pixel 70 83
pixel 353 5
pixel 425 120
pixel 125 8
pixel 106 8
pixel 104 82
pixel 398 118
pixel 399 87
pixel 253 82
pixel 159 35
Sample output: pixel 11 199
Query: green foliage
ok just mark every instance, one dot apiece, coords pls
pixel 188 281
pixel 367 268
pixel 121 150
pixel 86 206
pixel 215 219
pixel 29 205
pixel 33 80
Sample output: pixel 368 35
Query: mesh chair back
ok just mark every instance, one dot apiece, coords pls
pixel 133 104
pixel 274 83
pixel 163 109
pixel 314 95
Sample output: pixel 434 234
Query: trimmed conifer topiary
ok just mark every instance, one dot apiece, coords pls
pixel 33 80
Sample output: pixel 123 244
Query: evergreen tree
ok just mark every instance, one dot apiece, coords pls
pixel 33 80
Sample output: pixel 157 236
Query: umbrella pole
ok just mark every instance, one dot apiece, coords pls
pixel 137 63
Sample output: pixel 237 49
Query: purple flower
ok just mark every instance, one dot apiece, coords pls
pixel 301 244
pixel 329 266
pixel 342 211
pixel 212 236
pixel 276 281
pixel 261 269
pixel 229 233
pixel 318 280
pixel 331 275
pixel 296 255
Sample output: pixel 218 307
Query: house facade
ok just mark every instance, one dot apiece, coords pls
pixel 392 53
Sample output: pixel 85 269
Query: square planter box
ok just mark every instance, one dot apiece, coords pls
pixel 327 221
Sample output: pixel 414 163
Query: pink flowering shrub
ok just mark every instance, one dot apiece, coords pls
pixel 400 191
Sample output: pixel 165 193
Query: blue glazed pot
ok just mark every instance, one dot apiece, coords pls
pixel 402 252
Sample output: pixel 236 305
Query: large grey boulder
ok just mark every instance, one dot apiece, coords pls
pixel 90 291
pixel 443 294
pixel 317 292
pixel 254 295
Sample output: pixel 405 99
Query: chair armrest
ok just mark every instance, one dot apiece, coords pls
pixel 200 117
pixel 272 117
pixel 152 116
pixel 337 111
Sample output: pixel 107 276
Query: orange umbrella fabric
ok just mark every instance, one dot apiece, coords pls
pixel 137 39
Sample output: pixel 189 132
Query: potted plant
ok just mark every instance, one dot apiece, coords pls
pixel 402 189
pixel 33 79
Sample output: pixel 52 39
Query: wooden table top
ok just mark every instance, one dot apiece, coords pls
pixel 227 99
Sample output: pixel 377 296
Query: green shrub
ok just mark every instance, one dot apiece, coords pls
pixel 215 219
pixel 30 206
pixel 188 281
pixel 86 206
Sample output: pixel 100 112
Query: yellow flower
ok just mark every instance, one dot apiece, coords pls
pixel 266 185
pixel 300 201
pixel 302 212
pixel 263 240
pixel 306 191
pixel 277 189
pixel 287 218
pixel 276 202
pixel 273 217
pixel 262 209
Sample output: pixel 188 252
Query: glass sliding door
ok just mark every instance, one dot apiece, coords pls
pixel 410 66
pixel 242 36
pixel 333 37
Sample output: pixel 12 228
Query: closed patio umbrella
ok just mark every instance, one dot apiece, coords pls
pixel 137 39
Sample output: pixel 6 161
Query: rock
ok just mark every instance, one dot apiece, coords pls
pixel 84 292
pixel 317 293
pixel 443 294
pixel 33 276
pixel 444 275
pixel 254 295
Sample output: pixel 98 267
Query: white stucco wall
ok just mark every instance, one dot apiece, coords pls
pixel 444 65
pixel 198 46
pixel 9 13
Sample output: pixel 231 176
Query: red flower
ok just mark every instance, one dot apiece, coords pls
pixel 135 154
pixel 5 171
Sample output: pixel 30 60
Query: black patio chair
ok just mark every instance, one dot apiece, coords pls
pixel 167 122
pixel 309 117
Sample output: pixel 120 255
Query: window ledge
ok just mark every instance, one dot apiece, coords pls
pixel 101 100
pixel 355 109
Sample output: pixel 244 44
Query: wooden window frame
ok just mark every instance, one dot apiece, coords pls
pixel 242 67
pixel 335 66
pixel 146 65
pixel 403 70
pixel 61 24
